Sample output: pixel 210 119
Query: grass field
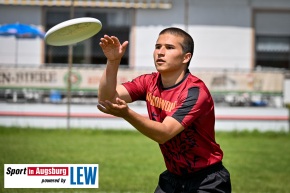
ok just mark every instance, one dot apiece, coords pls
pixel 131 163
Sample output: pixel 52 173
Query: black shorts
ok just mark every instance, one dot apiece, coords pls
pixel 213 179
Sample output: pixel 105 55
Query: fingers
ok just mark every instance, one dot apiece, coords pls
pixel 118 109
pixel 120 101
pixel 107 40
pixel 124 46
pixel 101 107
pixel 106 106
pixel 115 40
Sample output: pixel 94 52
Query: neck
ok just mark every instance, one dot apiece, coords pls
pixel 171 79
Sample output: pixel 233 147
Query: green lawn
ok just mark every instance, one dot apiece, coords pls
pixel 131 163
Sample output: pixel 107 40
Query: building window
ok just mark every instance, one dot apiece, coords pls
pixel 114 22
pixel 272 38
pixel 273 51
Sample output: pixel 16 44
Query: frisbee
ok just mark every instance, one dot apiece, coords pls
pixel 72 31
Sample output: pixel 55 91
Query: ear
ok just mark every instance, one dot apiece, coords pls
pixel 187 57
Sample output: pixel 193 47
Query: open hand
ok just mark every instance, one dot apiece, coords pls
pixel 118 109
pixel 112 47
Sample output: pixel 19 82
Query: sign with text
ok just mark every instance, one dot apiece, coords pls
pixel 89 79
pixel 55 78
pixel 51 176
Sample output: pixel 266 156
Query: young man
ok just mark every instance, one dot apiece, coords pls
pixel 181 112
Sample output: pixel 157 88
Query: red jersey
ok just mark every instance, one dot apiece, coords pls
pixel 191 104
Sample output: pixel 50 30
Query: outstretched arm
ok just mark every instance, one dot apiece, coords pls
pixel 159 132
pixel 114 51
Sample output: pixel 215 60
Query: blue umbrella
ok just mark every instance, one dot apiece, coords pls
pixel 20 31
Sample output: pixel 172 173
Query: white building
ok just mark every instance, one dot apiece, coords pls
pixel 228 34
pixel 234 40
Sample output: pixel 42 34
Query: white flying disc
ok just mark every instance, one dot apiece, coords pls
pixel 72 31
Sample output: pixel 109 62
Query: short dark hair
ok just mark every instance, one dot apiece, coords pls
pixel 187 44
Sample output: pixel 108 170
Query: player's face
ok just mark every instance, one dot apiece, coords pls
pixel 168 54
